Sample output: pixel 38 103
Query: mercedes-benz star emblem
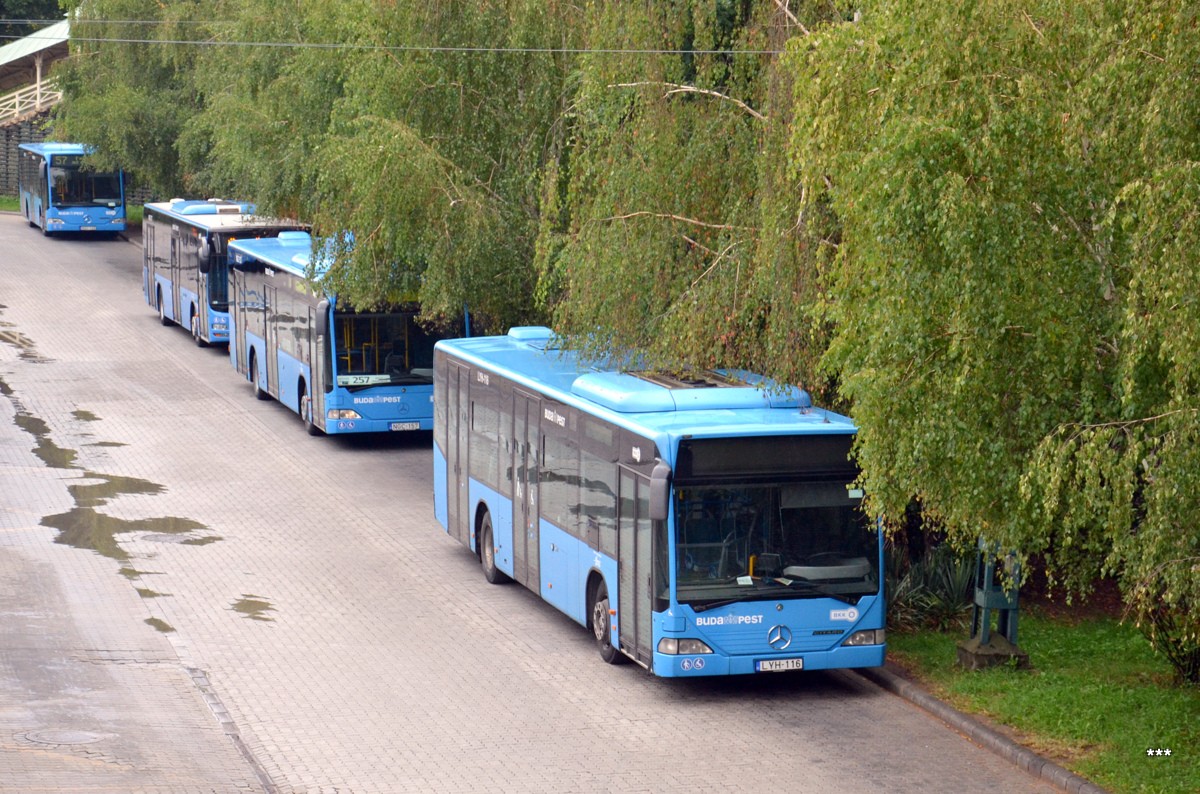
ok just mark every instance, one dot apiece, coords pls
pixel 779 637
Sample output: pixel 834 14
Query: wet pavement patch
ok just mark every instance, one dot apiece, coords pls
pixel 160 625
pixel 23 344
pixel 253 607
pixel 83 526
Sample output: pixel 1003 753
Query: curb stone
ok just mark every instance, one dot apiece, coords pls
pixel 981 734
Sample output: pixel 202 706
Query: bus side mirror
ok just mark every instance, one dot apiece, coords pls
pixel 660 491
pixel 322 323
pixel 205 255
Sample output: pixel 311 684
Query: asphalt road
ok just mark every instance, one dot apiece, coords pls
pixel 196 596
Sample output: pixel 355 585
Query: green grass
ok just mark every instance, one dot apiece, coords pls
pixel 9 204
pixel 1096 699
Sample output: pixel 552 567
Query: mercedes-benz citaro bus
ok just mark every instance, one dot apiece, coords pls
pixel 700 524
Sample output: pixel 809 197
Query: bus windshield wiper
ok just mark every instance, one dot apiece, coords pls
pixel 721 603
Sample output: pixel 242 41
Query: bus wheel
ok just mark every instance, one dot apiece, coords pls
pixel 162 312
pixel 259 392
pixel 602 627
pixel 195 323
pixel 306 413
pixel 487 553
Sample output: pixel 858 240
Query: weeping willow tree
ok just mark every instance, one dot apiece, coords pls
pixel 1011 187
pixel 128 92
pixel 671 228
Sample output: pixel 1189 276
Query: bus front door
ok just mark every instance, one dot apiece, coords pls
pixel 634 561
pixel 525 485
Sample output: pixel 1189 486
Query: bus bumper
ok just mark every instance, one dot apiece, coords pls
pixel 334 426
pixel 669 666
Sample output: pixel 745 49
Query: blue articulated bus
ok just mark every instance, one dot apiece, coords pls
pixel 185 275
pixel 60 194
pixel 341 370
pixel 706 524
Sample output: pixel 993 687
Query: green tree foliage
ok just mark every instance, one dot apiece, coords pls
pixel 672 228
pixel 1013 190
pixel 128 99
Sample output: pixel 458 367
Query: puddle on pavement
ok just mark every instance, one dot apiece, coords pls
pixel 83 526
pixel 46 450
pixel 26 350
pixel 110 487
pixel 253 607
pixel 160 625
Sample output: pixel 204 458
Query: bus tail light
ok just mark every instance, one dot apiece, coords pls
pixel 870 637
pixel 676 647
pixel 342 413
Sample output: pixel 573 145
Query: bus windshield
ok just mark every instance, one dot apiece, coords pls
pixel 793 539
pixel 382 348
pixel 74 187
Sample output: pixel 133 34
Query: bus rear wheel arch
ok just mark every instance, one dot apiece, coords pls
pixel 487 550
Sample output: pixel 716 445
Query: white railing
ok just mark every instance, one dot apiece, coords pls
pixel 28 101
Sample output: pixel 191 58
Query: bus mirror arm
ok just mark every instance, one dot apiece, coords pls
pixel 660 491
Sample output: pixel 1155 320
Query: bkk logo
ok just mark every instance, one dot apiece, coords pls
pixel 850 614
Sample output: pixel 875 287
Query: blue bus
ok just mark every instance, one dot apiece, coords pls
pixel 341 370
pixel 60 194
pixel 184 270
pixel 699 524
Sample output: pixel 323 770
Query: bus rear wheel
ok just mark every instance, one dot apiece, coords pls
pixel 487 552
pixel 602 627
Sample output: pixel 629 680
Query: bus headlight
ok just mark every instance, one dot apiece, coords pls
pixel 342 413
pixel 871 637
pixel 677 647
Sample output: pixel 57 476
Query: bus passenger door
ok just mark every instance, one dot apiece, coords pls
pixel 634 559
pixel 525 484
pixel 457 408
pixel 271 318
pixel 148 233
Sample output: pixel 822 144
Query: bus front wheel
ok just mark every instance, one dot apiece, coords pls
pixel 487 552
pixel 259 392
pixel 602 627
pixel 195 323
pixel 162 312
pixel 306 412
